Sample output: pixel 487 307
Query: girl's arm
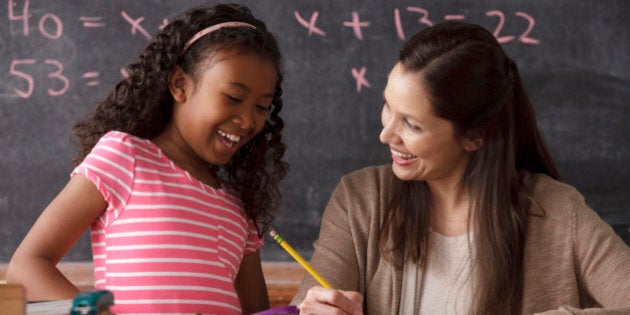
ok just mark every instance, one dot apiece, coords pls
pixel 250 285
pixel 62 223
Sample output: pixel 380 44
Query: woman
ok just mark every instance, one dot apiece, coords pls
pixel 470 217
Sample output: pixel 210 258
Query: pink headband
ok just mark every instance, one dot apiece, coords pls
pixel 213 28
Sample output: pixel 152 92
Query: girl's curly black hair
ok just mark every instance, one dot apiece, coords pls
pixel 142 105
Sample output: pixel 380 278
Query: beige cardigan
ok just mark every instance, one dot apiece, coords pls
pixel 573 259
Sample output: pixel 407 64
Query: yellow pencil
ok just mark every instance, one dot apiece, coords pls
pixel 299 259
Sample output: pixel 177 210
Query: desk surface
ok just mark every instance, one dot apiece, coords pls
pixel 283 278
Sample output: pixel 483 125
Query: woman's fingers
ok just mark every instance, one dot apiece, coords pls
pixel 320 300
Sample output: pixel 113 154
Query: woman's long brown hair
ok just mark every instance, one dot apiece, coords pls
pixel 472 83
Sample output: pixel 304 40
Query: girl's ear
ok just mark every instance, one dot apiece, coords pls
pixel 177 84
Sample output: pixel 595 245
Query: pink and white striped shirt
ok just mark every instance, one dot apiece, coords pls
pixel 167 243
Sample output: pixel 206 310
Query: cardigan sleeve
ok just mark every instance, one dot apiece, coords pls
pixel 333 257
pixel 602 259
pixel 602 264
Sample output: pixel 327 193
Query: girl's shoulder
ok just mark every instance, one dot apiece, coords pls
pixel 119 135
pixel 122 139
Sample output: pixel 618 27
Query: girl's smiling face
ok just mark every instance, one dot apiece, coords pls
pixel 423 145
pixel 225 107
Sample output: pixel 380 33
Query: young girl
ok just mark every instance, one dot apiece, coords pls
pixel 177 174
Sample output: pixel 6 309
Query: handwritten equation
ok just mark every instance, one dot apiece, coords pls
pixel 58 80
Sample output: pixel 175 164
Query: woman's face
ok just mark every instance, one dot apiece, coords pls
pixel 423 146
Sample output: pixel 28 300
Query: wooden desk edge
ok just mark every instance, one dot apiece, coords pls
pixel 283 278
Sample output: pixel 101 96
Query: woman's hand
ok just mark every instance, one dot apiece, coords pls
pixel 320 300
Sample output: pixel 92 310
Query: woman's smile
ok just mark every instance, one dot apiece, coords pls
pixel 403 158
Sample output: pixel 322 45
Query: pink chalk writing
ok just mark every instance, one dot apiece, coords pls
pixel 57 75
pixel 359 76
pixel 24 17
pixel 24 70
pixel 164 23
pixel 47 18
pixel 29 79
pixel 497 30
pixel 452 17
pixel 135 25
pixel 57 24
pixel 524 37
pixel 424 18
pixel 310 24
pixel 92 21
pixel 91 75
pixel 356 25
pixel 398 23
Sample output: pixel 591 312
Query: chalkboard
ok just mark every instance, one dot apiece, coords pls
pixel 58 59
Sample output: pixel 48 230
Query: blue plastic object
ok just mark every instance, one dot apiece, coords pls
pixel 93 302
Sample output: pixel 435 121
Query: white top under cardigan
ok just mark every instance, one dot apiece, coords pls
pixel 444 285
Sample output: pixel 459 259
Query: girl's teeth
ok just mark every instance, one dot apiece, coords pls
pixel 229 136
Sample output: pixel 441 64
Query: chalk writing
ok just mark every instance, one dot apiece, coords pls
pixel 164 23
pixel 92 21
pixel 29 79
pixel 24 17
pixel 359 76
pixel 310 25
pixel 356 25
pixel 58 26
pixel 56 83
pixel 453 17
pixel 524 37
pixel 55 75
pixel 135 24
pixel 90 76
